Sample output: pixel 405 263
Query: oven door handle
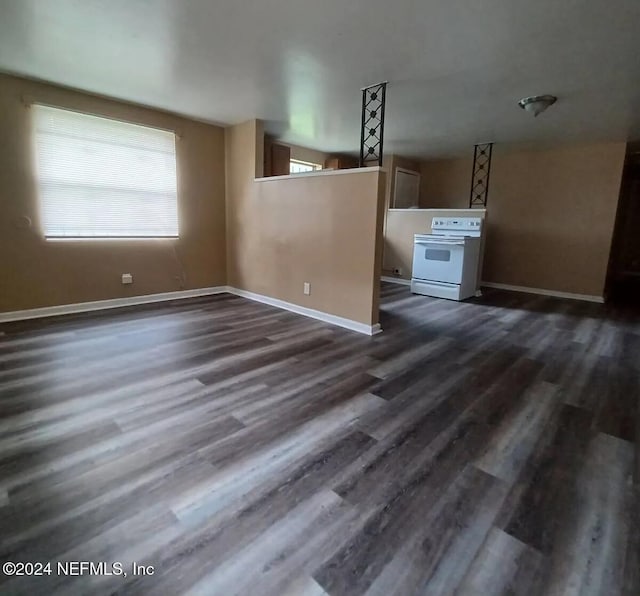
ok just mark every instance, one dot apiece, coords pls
pixel 440 242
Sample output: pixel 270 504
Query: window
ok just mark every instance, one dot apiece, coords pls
pixel 297 167
pixel 102 178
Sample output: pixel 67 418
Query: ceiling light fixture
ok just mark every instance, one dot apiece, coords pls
pixel 537 103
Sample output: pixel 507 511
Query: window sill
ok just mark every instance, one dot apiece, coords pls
pixel 107 238
pixel 325 172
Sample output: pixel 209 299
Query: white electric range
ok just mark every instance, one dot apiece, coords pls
pixel 445 262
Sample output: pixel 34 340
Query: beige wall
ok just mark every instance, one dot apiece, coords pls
pixel 552 215
pixel 551 212
pixel 36 273
pixel 445 183
pixel 324 229
pixel 241 145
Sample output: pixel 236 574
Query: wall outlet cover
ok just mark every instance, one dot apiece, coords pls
pixel 307 288
pixel 127 278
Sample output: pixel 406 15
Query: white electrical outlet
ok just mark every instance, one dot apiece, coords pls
pixel 127 278
pixel 307 288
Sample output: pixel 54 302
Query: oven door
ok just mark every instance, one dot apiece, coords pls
pixel 438 259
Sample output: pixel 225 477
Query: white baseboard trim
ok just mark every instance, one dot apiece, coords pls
pixel 80 307
pixel 396 280
pixel 543 292
pixel 310 312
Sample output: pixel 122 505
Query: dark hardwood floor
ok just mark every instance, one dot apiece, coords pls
pixel 485 447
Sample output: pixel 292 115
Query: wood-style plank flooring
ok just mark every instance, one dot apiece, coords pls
pixel 486 447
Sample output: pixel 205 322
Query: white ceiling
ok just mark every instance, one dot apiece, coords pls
pixel 456 68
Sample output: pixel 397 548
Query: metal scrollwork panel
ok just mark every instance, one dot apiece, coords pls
pixel 480 175
pixel 372 131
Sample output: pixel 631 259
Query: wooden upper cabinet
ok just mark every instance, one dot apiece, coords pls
pixel 340 162
pixel 276 158
pixel 332 163
pixel 280 158
pixel 268 141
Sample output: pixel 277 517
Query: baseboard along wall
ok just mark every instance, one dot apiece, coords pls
pixel 523 289
pixel 82 307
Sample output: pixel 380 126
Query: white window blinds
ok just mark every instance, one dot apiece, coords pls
pixel 101 178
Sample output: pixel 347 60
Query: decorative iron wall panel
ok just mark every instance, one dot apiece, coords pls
pixel 372 131
pixel 480 175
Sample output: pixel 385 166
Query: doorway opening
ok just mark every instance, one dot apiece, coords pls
pixel 623 279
